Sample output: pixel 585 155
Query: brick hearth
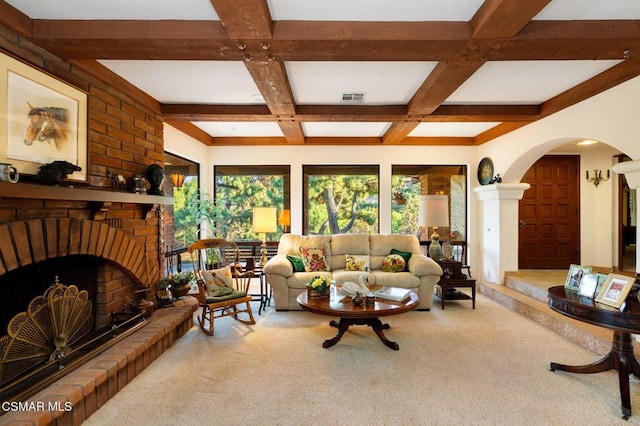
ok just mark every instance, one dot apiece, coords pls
pixel 86 389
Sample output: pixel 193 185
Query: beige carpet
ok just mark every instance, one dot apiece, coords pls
pixel 488 366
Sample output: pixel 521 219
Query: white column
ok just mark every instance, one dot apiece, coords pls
pixel 631 171
pixel 499 229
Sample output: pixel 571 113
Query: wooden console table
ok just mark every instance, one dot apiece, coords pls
pixel 623 324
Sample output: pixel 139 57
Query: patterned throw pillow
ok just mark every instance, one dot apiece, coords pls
pixel 357 263
pixel 314 259
pixel 218 280
pixel 405 255
pixel 393 263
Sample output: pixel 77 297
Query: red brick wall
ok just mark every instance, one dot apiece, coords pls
pixel 125 136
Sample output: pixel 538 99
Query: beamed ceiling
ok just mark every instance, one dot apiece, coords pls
pixel 257 72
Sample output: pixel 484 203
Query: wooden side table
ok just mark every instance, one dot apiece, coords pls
pixel 453 278
pixel 446 289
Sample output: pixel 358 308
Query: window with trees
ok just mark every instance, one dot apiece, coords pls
pixel 412 185
pixel 340 199
pixel 238 189
pixel 181 182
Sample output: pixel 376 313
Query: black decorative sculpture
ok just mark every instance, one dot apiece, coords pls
pixel 53 173
pixel 155 176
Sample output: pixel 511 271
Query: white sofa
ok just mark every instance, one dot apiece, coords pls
pixel 423 272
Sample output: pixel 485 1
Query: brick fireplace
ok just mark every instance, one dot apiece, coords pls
pixel 122 231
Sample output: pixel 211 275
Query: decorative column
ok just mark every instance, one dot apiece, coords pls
pixel 631 171
pixel 498 236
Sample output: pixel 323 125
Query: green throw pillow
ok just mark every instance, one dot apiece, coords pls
pixel 296 261
pixel 406 255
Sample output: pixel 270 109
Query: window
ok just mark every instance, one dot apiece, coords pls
pixel 340 199
pixel 411 185
pixel 180 224
pixel 238 189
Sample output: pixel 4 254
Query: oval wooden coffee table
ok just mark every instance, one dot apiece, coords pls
pixel 350 314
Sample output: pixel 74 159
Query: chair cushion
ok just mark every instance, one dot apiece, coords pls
pixel 218 281
pixel 231 296
pixel 314 259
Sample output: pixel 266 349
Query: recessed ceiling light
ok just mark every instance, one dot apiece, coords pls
pixel 587 142
pixel 257 97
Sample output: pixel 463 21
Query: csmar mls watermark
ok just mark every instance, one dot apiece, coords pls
pixel 8 406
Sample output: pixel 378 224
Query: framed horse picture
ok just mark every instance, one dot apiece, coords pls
pixel 46 119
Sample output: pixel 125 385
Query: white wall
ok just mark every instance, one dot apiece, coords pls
pixel 610 117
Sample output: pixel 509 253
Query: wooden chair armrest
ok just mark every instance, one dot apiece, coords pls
pixel 201 295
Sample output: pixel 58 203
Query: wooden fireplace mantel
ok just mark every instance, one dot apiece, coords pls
pixel 100 201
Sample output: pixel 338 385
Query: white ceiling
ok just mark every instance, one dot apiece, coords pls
pixel 322 83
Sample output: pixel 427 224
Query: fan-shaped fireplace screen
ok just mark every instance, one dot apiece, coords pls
pixel 53 337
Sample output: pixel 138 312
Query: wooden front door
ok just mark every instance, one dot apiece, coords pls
pixel 549 235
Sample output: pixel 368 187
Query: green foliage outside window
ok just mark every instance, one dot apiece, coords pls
pixel 342 203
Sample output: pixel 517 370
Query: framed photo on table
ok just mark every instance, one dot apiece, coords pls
pixel 43 118
pixel 574 277
pixel 615 290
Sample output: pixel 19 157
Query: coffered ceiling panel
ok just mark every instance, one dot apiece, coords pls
pixel 198 82
pixel 382 83
pixel 524 82
pixel 426 72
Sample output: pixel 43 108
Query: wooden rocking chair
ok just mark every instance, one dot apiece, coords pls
pixel 226 302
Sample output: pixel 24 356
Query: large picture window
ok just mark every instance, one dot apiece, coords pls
pixel 238 189
pixel 418 189
pixel 340 199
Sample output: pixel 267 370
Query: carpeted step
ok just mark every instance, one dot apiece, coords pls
pixel 597 339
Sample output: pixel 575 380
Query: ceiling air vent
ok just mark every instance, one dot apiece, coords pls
pixel 353 98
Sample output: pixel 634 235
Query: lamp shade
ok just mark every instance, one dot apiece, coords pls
pixel 433 211
pixel 264 219
pixel 178 179
pixel 284 217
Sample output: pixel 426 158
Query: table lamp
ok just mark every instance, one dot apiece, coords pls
pixel 264 221
pixel 434 211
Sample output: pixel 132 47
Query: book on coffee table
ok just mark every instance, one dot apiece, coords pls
pixel 393 293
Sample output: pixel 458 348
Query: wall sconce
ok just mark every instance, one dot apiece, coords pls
pixel 178 179
pixel 284 219
pixel 598 177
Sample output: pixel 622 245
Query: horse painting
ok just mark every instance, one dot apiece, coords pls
pixel 47 124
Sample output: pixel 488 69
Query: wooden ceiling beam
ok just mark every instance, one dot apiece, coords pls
pixel 193 131
pixel 207 40
pixel 16 20
pixel 439 85
pixel 349 113
pixel 607 79
pixel 250 19
pixel 499 19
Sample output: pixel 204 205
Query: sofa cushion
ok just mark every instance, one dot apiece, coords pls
pixel 343 244
pixel 314 259
pixel 393 263
pixel 342 276
pixel 354 262
pixel 396 279
pixel 296 262
pixel 405 255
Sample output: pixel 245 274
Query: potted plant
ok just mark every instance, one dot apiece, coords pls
pixel 165 298
pixel 177 284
